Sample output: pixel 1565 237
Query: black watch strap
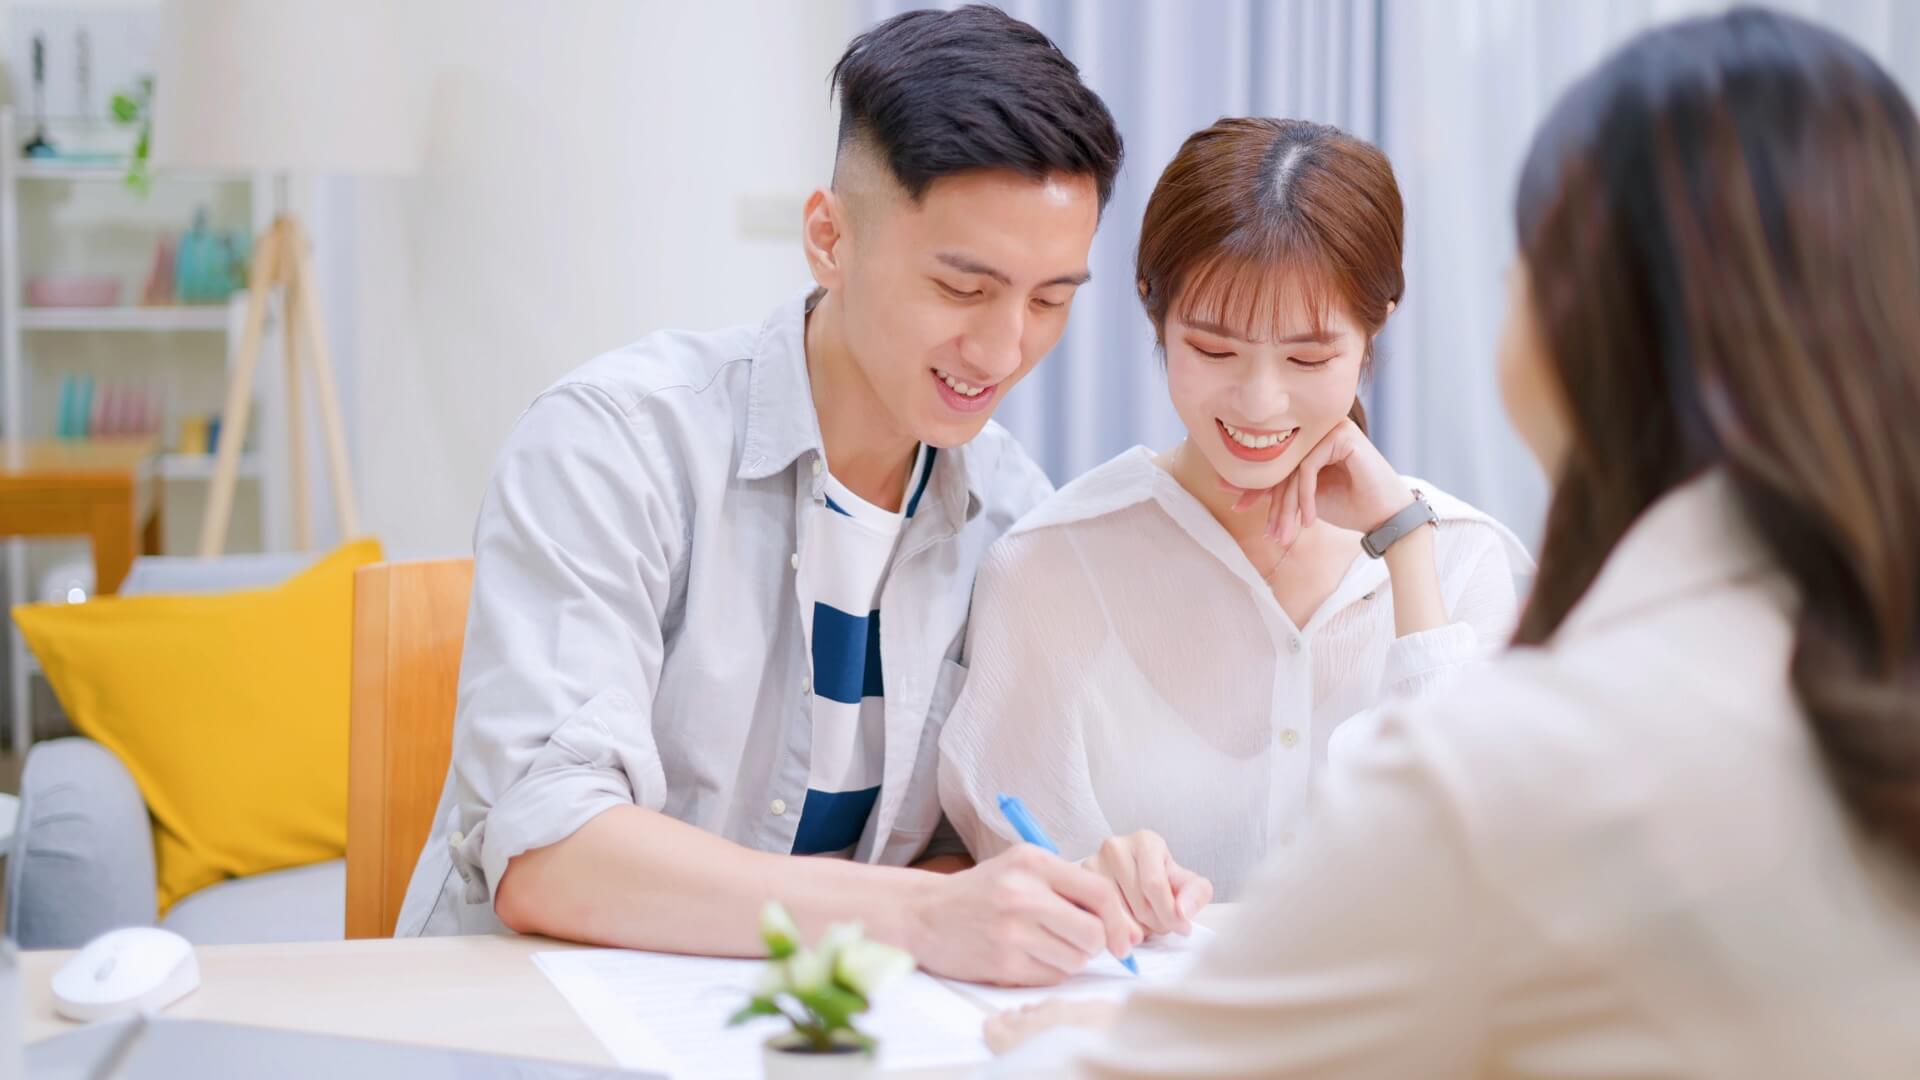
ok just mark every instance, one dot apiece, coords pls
pixel 1418 513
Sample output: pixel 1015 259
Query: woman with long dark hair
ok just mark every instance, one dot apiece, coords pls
pixel 1676 832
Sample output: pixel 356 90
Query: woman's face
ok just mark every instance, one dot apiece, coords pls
pixel 1254 404
pixel 1528 384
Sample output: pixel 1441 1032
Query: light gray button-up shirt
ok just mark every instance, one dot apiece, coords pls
pixel 635 635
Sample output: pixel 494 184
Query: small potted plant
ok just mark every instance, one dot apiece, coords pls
pixel 134 108
pixel 819 991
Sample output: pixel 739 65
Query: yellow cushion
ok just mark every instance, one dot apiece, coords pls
pixel 229 710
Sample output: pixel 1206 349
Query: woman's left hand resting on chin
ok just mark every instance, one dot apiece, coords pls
pixel 1344 479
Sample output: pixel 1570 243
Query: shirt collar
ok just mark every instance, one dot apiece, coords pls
pixel 782 426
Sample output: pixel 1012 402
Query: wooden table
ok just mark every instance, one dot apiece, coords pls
pixel 479 993
pixel 101 490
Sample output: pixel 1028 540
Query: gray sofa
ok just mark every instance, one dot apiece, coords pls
pixel 82 856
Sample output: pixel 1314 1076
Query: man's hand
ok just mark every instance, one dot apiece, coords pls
pixel 1022 918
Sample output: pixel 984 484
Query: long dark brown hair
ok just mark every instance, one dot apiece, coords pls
pixel 1250 207
pixel 1722 230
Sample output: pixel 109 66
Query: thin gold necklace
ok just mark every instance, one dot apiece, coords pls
pixel 1185 446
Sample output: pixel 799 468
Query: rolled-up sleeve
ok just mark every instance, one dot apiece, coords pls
pixel 575 556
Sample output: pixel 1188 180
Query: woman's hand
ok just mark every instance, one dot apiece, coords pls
pixel 1007 1030
pixel 1343 479
pixel 1162 895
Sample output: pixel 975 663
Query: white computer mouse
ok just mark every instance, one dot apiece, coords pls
pixel 122 972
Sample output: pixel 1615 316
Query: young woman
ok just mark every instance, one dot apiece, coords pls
pixel 1678 832
pixel 1156 666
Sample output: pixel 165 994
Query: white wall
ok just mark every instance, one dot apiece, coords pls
pixel 588 166
pixel 587 173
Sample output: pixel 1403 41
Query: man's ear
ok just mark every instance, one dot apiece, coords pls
pixel 823 231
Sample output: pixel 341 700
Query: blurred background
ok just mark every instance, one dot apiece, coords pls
pixel 521 185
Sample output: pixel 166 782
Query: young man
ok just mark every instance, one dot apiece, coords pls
pixel 721 580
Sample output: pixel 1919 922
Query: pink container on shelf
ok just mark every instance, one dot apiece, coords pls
pixel 80 290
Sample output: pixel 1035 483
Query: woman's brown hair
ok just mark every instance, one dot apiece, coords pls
pixel 1721 227
pixel 1250 208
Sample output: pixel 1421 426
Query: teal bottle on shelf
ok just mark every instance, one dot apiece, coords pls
pixel 63 420
pixel 190 261
pixel 83 413
pixel 209 264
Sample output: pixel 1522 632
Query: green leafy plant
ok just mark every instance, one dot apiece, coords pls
pixel 131 107
pixel 820 990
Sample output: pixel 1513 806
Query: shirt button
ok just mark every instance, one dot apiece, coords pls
pixel 795 561
pixel 779 807
pixel 817 467
pixel 806 687
pixel 456 840
pixel 1289 737
pixel 1293 644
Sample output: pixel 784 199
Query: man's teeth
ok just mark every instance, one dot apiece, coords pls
pixel 959 387
pixel 1256 442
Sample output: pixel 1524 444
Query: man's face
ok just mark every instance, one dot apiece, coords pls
pixel 948 302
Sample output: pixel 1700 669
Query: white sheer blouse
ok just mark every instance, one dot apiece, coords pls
pixel 1129 669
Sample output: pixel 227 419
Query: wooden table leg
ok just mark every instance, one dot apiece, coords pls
pixel 153 537
pixel 113 540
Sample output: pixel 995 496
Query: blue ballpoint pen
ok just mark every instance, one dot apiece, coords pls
pixel 1032 833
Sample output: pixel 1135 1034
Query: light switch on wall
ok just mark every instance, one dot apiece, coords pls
pixel 769 216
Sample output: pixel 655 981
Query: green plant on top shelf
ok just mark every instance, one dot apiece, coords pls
pixel 135 107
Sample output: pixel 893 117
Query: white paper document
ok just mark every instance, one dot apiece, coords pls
pixel 669 1014
pixel 1162 959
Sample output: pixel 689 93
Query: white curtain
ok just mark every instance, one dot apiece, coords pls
pixel 1451 91
pixel 1464 84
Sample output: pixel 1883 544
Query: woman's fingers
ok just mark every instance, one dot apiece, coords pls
pixel 1309 472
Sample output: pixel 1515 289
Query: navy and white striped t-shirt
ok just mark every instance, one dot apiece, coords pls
pixel 850 545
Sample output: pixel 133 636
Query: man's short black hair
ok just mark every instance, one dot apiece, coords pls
pixel 938 93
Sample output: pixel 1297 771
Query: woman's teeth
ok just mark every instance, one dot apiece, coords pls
pixel 1256 442
pixel 959 387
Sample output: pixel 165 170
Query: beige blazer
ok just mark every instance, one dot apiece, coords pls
pixel 1614 857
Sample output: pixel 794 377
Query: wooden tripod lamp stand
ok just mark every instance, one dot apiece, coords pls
pixel 302 87
pixel 282 258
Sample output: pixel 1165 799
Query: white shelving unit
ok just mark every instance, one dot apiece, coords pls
pixel 210 318
pixel 27 169
pixel 200 466
pixel 28 334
